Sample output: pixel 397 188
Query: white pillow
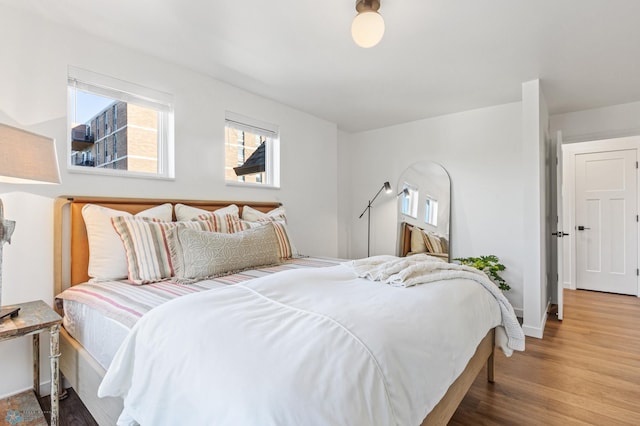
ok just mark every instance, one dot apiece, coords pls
pixel 252 215
pixel 184 212
pixel 107 258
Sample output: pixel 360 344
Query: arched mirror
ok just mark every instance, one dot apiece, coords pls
pixel 424 210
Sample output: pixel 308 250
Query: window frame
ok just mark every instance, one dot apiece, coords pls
pixel 102 85
pixel 272 149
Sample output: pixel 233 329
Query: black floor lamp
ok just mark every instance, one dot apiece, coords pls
pixel 387 189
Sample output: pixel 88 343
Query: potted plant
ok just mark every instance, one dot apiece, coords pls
pixel 490 265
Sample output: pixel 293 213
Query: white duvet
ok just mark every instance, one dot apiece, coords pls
pixel 310 346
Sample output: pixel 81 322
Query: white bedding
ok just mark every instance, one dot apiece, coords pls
pixel 300 347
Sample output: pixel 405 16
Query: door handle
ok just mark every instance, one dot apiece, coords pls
pixel 582 228
pixel 559 234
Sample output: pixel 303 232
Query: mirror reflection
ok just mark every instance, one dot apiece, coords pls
pixel 424 210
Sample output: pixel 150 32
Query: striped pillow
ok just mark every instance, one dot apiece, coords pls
pixel 285 246
pixel 146 246
pixel 227 223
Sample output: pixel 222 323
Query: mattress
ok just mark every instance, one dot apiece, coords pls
pixel 101 336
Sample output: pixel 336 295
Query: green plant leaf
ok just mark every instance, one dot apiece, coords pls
pixel 490 265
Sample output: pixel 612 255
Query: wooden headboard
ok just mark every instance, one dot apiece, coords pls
pixel 71 250
pixel 405 239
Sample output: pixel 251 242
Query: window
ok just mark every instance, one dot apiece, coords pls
pixel 409 200
pixel 132 123
pixel 431 211
pixel 252 151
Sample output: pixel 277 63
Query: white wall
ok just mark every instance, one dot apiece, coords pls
pixel 481 150
pixel 35 55
pixel 534 196
pixel 27 275
pixel 596 124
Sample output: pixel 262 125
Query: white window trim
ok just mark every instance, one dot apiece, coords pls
pixel 271 131
pixel 129 92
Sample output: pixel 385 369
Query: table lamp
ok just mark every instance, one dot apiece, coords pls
pixel 25 157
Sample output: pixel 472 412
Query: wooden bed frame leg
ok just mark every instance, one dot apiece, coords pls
pixel 491 367
pixel 491 360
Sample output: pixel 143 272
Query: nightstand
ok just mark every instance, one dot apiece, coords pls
pixel 34 318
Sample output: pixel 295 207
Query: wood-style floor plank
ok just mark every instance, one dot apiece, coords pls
pixel 72 411
pixel 586 370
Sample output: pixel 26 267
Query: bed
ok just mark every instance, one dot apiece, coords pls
pixel 85 372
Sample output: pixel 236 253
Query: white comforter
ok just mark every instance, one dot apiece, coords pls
pixel 312 347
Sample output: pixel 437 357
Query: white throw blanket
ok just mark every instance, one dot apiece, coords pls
pixel 423 269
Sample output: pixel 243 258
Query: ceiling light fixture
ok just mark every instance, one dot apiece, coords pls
pixel 367 27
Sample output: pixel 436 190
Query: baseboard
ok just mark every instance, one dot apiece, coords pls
pixel 44 390
pixel 519 312
pixel 537 332
pixel 14 392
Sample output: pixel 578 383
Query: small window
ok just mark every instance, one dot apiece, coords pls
pixel 409 200
pixel 252 151
pixel 119 125
pixel 431 211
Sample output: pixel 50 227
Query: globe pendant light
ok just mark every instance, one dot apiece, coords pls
pixel 367 27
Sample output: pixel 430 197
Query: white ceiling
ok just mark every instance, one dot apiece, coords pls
pixel 437 56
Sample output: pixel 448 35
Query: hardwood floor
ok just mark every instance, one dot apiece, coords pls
pixel 72 411
pixel 586 370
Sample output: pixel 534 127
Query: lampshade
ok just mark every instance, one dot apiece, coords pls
pixel 26 157
pixel 367 27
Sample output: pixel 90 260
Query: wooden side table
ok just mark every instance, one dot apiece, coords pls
pixel 34 318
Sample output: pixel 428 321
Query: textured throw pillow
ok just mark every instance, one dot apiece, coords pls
pixel 252 215
pixel 107 258
pixel 147 247
pixel 445 244
pixel 198 255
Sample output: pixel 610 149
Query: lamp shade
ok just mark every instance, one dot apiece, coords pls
pixel 26 157
pixel 367 28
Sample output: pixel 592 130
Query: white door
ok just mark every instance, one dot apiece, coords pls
pixel 559 232
pixel 607 222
